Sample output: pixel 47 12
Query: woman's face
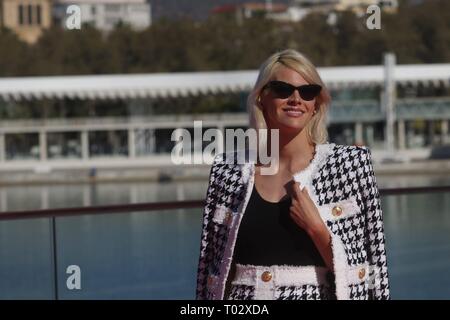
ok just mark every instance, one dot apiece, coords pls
pixel 288 114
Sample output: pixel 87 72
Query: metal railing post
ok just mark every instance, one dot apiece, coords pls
pixel 55 257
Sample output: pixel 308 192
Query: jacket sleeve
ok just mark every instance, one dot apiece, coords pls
pixel 205 252
pixel 378 273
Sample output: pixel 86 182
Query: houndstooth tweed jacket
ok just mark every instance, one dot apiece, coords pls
pixel 341 182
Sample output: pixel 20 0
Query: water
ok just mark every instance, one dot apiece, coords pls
pixel 153 255
pixel 32 197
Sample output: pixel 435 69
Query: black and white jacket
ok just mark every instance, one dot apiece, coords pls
pixel 338 176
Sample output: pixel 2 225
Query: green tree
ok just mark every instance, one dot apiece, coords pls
pixel 14 55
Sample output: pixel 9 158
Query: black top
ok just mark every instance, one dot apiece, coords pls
pixel 268 236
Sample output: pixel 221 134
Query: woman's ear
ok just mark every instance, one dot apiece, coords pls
pixel 316 109
pixel 259 103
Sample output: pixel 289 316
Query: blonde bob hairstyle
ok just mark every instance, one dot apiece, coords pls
pixel 316 127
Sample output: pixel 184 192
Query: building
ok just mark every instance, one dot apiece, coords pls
pixel 106 14
pixel 27 18
pixel 250 9
pixel 298 9
pixel 358 114
pixel 359 7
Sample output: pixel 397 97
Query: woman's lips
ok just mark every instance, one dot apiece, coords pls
pixel 293 112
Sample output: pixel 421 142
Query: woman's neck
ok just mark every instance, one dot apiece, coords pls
pixel 295 150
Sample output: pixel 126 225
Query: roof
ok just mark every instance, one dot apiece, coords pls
pixel 263 7
pixel 101 1
pixel 255 6
pixel 161 85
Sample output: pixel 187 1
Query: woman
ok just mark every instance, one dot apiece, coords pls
pixel 312 230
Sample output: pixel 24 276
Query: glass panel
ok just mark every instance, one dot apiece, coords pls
pixel 418 245
pixel 105 143
pixel 26 263
pixel 145 142
pixel 163 142
pixel 21 15
pixel 131 256
pixel 30 14
pixel 153 255
pixel 22 146
pixel 64 145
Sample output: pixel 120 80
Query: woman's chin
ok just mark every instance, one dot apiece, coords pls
pixel 291 127
pixel 287 124
pixel 291 124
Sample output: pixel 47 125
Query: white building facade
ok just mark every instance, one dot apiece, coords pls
pixel 105 15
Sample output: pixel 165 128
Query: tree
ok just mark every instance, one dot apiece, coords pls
pixel 14 55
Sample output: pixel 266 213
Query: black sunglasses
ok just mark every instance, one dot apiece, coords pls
pixel 284 90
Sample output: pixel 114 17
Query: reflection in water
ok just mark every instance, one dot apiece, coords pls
pixel 35 197
pixel 14 198
pixel 415 180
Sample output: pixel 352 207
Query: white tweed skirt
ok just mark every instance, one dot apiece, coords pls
pixel 281 283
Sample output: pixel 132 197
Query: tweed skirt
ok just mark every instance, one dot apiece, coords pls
pixel 281 283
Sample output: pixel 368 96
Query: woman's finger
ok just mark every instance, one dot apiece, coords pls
pixel 297 190
pixel 305 192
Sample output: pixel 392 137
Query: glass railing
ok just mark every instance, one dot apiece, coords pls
pixel 150 250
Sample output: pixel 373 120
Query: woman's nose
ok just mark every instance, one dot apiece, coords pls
pixel 295 97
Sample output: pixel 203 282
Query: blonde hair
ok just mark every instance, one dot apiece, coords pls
pixel 316 128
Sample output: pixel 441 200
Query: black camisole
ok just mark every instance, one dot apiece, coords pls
pixel 268 236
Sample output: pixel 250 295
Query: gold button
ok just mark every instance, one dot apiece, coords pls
pixel 336 211
pixel 362 273
pixel 266 276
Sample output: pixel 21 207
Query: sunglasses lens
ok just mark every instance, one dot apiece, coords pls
pixel 282 90
pixel 310 91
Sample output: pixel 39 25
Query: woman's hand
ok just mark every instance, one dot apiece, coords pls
pixel 304 212
pixel 306 215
